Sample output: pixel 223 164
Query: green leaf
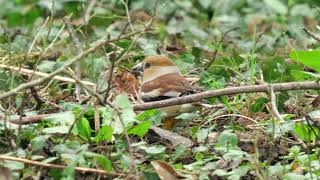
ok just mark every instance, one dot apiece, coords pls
pixel 39 142
pixel 305 132
pixel 83 128
pixel 228 139
pixel 187 57
pixel 202 135
pixel 259 105
pixel 140 129
pixel 277 6
pixel 232 154
pixel 293 176
pixel 179 151
pixel 105 133
pixel 153 115
pixel 303 76
pixel 13 165
pixel 64 118
pixel 154 149
pixel 57 129
pixel 105 162
pixel 127 114
pixel 310 59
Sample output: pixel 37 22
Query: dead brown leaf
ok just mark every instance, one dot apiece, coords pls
pixel 165 170
pixel 126 82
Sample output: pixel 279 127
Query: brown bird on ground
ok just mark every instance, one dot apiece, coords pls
pixel 161 79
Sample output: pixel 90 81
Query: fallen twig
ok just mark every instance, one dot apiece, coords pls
pixel 312 34
pixel 25 71
pixel 279 117
pixel 174 138
pixel 29 119
pixel 55 166
pixel 228 91
pixel 223 92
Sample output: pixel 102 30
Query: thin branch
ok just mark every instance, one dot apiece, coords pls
pixel 56 166
pixel 77 44
pixel 89 10
pixel 226 91
pixel 112 59
pixel 66 65
pixel 279 117
pixel 125 3
pixel 29 119
pixel 25 71
pixel 274 104
pixel 312 34
pixel 218 46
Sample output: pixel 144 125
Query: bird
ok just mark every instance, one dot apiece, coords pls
pixel 161 80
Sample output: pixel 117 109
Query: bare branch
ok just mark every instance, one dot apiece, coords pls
pixel 312 34
pixel 56 166
pixel 222 92
pixel 279 117
pixel 79 51
pixel 89 10
pixel 25 71
pixel 228 91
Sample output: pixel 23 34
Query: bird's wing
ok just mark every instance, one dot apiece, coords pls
pixel 165 87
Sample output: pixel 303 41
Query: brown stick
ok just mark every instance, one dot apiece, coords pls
pixel 56 166
pixel 29 119
pixel 279 117
pixel 77 44
pixel 89 10
pixel 218 92
pixel 312 34
pixel 25 71
pixel 228 91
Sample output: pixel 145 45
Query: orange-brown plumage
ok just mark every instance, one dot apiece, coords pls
pixel 161 79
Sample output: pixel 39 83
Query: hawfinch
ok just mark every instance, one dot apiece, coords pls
pixel 161 80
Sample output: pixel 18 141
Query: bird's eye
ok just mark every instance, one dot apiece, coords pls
pixel 147 65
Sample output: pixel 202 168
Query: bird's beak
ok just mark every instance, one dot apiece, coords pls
pixel 137 69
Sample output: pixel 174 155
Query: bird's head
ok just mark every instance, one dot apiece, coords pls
pixel 154 66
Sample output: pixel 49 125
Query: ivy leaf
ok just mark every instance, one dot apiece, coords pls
pixel 152 115
pixel 310 59
pixel 277 6
pixel 258 105
pixel 105 162
pixel 127 114
pixel 105 133
pixel 39 142
pixel 154 149
pixel 140 129
pixel 228 139
pixel 83 128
